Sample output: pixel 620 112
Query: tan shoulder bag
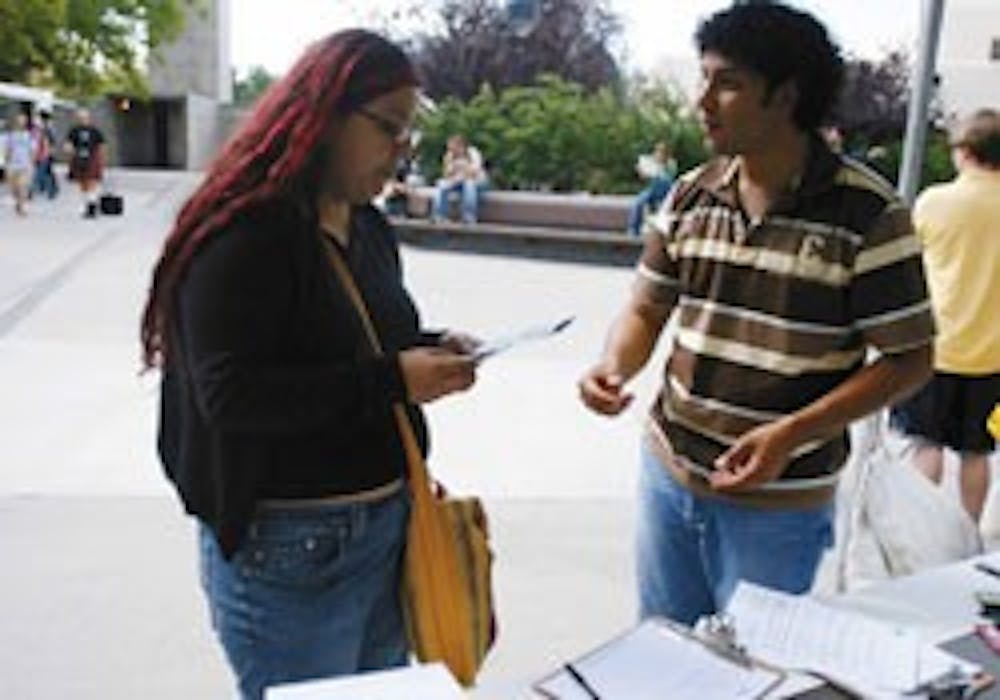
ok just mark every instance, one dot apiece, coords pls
pixel 447 578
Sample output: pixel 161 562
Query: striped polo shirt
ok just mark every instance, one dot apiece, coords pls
pixel 773 314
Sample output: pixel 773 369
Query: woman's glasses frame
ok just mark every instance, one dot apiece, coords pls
pixel 399 134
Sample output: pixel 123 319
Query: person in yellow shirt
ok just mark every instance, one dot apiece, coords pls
pixel 959 226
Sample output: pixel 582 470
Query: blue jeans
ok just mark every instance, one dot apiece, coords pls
pixel 44 180
pixel 649 198
pixel 312 593
pixel 692 551
pixel 467 189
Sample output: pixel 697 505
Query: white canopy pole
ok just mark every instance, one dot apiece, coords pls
pixel 920 99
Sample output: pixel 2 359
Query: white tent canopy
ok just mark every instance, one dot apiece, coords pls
pixel 41 98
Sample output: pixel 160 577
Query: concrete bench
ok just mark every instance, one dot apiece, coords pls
pixel 573 212
pixel 593 247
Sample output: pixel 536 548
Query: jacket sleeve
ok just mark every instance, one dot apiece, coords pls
pixel 233 311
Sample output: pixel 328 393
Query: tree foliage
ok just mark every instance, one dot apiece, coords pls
pixel 479 44
pixel 554 135
pixel 85 46
pixel 887 156
pixel 247 89
pixel 872 113
pixel 873 103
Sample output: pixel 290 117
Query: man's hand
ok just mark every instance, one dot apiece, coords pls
pixel 756 458
pixel 601 390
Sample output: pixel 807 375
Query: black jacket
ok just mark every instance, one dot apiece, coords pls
pixel 271 388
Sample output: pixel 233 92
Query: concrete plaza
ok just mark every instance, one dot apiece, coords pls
pixel 99 596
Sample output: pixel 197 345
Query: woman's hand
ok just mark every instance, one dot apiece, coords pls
pixel 460 343
pixel 430 373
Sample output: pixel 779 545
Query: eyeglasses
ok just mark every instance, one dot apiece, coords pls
pixel 399 134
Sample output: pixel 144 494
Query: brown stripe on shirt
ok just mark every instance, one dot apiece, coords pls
pixel 776 313
pixel 764 330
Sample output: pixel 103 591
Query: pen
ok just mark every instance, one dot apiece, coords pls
pixel 987 569
pixel 562 324
pixel 581 681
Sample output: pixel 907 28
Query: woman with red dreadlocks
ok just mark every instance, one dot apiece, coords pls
pixel 276 423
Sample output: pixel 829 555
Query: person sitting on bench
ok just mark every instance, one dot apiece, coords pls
pixel 463 172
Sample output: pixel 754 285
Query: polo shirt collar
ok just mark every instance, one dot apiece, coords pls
pixel 822 164
pixel 721 179
pixel 821 168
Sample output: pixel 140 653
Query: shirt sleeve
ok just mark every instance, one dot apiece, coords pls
pixel 888 293
pixel 657 275
pixel 233 313
pixel 923 213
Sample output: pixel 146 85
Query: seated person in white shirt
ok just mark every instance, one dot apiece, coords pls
pixel 463 172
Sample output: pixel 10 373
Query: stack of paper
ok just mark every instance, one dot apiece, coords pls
pixel 872 657
pixel 428 682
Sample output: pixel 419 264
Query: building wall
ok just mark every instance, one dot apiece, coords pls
pixel 224 52
pixel 969 72
pixel 178 148
pixel 204 133
pixel 103 116
pixel 191 83
pixel 133 144
pixel 198 61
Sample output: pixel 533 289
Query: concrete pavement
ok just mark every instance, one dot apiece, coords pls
pixel 99 596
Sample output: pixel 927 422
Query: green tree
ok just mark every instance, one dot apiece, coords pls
pixel 937 166
pixel 247 89
pixel 85 46
pixel 476 42
pixel 873 101
pixel 28 34
pixel 554 135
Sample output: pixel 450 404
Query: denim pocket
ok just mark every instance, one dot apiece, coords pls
pixel 294 549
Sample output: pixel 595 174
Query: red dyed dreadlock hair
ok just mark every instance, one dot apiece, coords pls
pixel 271 155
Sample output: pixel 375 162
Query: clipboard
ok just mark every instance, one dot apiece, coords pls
pixel 659 658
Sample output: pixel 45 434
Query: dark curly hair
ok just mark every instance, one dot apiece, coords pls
pixel 781 44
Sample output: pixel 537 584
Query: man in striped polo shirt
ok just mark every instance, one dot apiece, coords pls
pixel 786 263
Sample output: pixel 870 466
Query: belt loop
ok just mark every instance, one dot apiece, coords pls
pixel 359 517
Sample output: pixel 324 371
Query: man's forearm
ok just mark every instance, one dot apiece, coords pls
pixel 884 382
pixel 632 338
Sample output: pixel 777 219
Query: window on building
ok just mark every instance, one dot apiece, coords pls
pixel 995 49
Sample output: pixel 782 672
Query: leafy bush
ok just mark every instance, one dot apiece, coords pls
pixel 553 135
pixel 937 165
pixel 556 136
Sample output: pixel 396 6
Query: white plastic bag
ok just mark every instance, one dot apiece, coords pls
pixel 893 520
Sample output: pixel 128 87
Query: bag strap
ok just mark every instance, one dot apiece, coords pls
pixel 416 466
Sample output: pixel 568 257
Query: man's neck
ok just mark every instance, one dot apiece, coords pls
pixel 974 168
pixel 778 164
pixel 774 171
